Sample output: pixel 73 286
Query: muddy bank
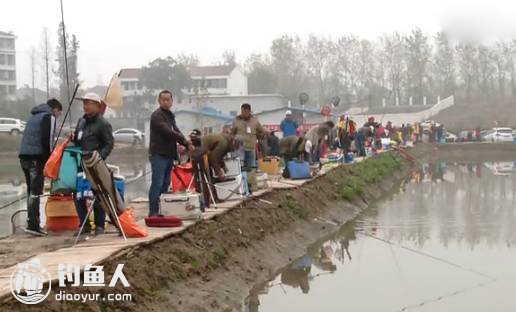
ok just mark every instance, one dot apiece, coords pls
pixel 212 265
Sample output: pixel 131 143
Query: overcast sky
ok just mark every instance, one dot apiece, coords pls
pixel 117 34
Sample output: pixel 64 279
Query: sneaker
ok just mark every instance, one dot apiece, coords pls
pixel 99 231
pixel 38 232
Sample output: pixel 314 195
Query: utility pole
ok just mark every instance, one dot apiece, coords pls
pixel 47 77
pixel 33 70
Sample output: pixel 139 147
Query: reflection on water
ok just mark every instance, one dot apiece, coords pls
pixel 444 242
pixel 13 188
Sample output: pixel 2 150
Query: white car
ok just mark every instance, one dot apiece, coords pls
pixel 12 126
pixel 129 135
pixel 450 137
pixel 499 135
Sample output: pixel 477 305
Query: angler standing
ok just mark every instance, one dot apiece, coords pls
pixel 164 136
pixel 93 134
pixel 35 148
pixel 249 128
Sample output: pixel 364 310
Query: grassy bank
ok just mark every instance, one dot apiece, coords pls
pixel 212 264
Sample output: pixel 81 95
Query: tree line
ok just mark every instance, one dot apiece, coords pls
pixel 362 72
pixel 394 67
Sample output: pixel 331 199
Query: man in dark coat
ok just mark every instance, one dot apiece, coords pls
pixel 93 133
pixel 164 137
pixel 35 148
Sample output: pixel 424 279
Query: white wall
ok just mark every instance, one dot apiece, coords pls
pixel 237 82
pixel 401 118
pixel 188 121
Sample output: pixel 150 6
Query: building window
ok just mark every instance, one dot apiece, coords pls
pixel 216 83
pixel 220 83
pixel 7 44
pixel 10 59
pixel 3 59
pixel 11 90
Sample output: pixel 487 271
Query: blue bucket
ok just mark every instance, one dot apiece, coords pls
pixel 67 181
pixel 84 186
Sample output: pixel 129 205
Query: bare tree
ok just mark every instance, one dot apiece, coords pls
pixel 444 66
pixel 46 59
pixel 486 70
pixel 317 55
pixel 288 66
pixel 468 67
pixel 229 58
pixel 393 50
pixel 418 53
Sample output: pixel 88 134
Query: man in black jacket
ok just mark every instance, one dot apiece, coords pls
pixel 93 133
pixel 35 148
pixel 164 136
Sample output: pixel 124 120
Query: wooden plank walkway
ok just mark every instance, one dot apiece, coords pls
pixel 88 251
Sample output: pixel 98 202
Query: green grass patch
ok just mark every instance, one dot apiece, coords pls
pixel 297 208
pixel 352 184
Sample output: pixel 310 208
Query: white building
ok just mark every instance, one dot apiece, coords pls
pixel 7 65
pixel 223 88
pixel 130 80
pixel 218 80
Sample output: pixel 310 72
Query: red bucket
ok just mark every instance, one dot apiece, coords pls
pixel 182 176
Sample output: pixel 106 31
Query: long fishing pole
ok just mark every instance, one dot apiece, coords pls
pixel 458 266
pixel 67 113
pixel 67 76
pixel 65 53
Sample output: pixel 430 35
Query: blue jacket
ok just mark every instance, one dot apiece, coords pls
pixel 288 127
pixel 37 136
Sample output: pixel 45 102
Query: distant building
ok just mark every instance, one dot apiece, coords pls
pixel 207 120
pixel 218 80
pixel 7 65
pixel 218 88
pixel 130 80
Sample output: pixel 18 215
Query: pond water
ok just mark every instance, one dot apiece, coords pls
pixel 133 166
pixel 443 241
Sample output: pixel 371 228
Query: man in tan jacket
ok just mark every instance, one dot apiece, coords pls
pixel 250 130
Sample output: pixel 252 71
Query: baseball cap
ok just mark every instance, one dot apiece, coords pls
pixel 90 97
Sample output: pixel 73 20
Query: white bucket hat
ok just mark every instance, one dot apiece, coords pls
pixel 91 97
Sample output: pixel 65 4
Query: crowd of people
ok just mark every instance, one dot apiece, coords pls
pixel 246 137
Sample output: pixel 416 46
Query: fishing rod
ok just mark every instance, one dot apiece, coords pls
pixel 66 114
pixel 67 77
pixel 458 266
pixel 64 52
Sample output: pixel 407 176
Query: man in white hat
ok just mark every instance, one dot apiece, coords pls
pixel 93 133
pixel 289 126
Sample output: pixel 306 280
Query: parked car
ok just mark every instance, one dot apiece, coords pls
pixel 483 134
pixel 500 135
pixel 450 137
pixel 12 126
pixel 466 136
pixel 129 135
